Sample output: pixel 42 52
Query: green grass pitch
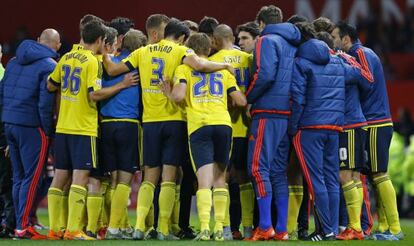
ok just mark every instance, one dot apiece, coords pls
pixel 407 225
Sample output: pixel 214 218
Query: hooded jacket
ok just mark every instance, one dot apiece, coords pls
pixel 318 88
pixel 274 56
pixel 24 97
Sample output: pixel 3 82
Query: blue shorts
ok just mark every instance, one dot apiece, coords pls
pixel 164 143
pixel 210 144
pixel 75 152
pixel 238 159
pixel 377 146
pixel 352 149
pixel 119 146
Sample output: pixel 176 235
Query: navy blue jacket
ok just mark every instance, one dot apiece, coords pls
pixel 125 104
pixel 274 57
pixel 374 101
pixel 318 89
pixel 24 97
pixel 354 117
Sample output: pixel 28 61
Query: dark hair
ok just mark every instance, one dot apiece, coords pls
pixel 323 24
pixel 297 18
pixel 176 29
pixel 250 27
pixel 111 35
pixel 155 21
pixel 270 15
pixel 327 38
pixel 200 43
pixel 191 24
pixel 122 25
pixel 207 25
pixel 88 18
pixel 93 31
pixel 346 29
pixel 306 31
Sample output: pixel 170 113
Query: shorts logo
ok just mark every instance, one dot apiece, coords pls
pixel 251 138
pixel 88 164
pixel 343 155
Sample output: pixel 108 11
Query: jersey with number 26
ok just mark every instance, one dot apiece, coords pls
pixel 78 73
pixel 155 62
pixel 206 99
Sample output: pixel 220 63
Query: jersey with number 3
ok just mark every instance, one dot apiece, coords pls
pixel 206 99
pixel 241 61
pixel 78 73
pixel 156 62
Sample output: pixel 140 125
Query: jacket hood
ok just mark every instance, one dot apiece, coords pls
pixel 287 30
pixel 315 51
pixel 30 51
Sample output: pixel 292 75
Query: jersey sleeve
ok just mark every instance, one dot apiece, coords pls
pixel 184 52
pixel 55 76
pixel 132 61
pixel 180 75
pixel 94 76
pixel 231 83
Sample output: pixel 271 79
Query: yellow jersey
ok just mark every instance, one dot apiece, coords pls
pixel 241 61
pixel 206 96
pixel 78 73
pixel 155 62
pixel 76 47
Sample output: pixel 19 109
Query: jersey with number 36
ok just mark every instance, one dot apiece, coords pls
pixel 155 62
pixel 78 73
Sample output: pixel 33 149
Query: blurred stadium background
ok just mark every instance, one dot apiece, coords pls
pixel 386 26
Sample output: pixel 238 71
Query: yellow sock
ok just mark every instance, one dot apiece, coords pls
pixel 175 217
pixel 76 205
pixel 204 201
pixel 64 212
pixel 93 207
pixel 144 202
pixel 118 206
pixel 149 220
pixel 54 201
pixel 103 216
pixel 389 202
pixel 166 205
pixel 354 209
pixel 247 204
pixel 227 214
pixel 358 185
pixel 107 204
pixel 220 199
pixel 125 219
pixel 295 201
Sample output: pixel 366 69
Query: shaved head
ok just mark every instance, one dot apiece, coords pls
pixel 223 37
pixel 50 38
pixel 223 31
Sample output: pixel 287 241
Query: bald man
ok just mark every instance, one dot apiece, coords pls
pixel 223 40
pixel 27 113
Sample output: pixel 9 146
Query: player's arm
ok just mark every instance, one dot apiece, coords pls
pixel 53 83
pixel 354 74
pixel 237 97
pixel 45 106
pixel 130 79
pixel 205 66
pixel 298 92
pixel 114 69
pixel 178 92
pixel 265 67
